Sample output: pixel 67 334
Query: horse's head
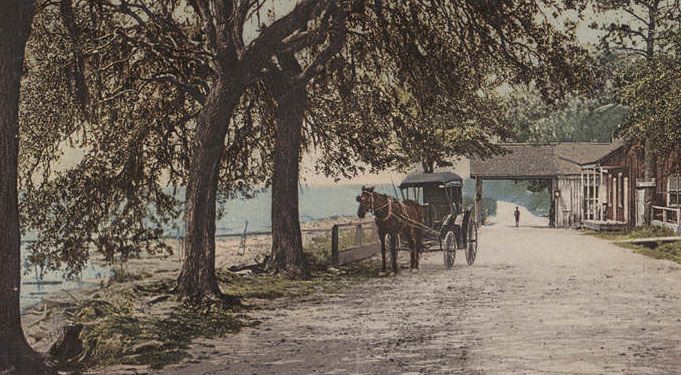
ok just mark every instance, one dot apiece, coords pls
pixel 365 201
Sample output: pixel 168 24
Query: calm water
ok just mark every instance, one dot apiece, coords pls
pixel 316 202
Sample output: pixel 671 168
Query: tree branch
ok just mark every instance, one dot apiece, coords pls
pixel 266 44
pixel 189 89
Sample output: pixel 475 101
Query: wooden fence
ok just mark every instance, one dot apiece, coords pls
pixel 354 242
pixel 350 242
pixel 667 217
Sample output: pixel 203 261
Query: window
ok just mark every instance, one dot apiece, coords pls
pixel 674 190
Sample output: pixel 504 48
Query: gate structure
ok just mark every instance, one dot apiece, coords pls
pixel 558 164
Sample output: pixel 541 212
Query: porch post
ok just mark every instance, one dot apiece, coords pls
pixel 588 195
pixel 615 198
pixel 580 196
pixel 594 197
pixel 552 209
pixel 478 200
pixel 592 193
pixel 601 194
pixel 626 199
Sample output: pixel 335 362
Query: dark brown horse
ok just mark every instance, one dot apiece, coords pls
pixel 388 213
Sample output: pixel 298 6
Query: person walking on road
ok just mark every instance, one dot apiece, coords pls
pixel 517 216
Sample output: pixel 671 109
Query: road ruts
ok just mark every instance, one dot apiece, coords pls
pixel 537 301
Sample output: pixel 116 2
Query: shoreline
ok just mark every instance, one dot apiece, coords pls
pixel 41 332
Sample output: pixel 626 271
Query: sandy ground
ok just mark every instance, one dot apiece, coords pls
pixel 42 330
pixel 537 301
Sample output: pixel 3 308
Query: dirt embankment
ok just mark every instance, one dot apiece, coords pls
pixel 43 323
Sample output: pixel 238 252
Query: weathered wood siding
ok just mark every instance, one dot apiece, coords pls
pixel 630 159
pixel 569 206
pixel 665 168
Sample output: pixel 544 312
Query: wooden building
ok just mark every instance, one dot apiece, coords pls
pixel 559 164
pixel 614 187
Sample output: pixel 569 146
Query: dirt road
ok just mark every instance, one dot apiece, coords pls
pixel 538 301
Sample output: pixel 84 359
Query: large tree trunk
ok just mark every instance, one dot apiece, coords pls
pixel 197 280
pixel 16 356
pixel 287 244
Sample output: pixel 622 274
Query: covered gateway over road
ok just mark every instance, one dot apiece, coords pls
pixel 559 164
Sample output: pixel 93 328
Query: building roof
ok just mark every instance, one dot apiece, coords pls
pixel 527 161
pixel 439 178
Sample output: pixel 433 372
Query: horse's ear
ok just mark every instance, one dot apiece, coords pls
pixel 370 189
pixel 363 188
pixel 357 198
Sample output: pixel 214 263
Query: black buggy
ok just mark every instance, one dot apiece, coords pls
pixel 447 223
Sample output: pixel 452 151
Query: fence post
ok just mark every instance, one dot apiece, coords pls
pixel 334 245
pixel 242 244
pixel 358 235
pixel 664 216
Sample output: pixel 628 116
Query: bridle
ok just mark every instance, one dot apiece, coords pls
pixel 374 209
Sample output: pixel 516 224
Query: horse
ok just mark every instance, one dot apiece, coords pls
pixel 388 213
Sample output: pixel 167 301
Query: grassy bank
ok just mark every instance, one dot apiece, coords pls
pixel 669 251
pixel 137 320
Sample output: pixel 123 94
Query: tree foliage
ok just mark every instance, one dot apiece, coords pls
pixel 130 117
pixel 646 39
pixel 641 28
pixel 652 92
pixel 575 120
pixel 130 83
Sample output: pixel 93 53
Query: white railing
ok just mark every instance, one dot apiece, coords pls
pixel 668 217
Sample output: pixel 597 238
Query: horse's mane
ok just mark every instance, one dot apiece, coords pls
pixel 409 202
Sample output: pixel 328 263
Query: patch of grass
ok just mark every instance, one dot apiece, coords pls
pixel 669 251
pixel 267 286
pixel 122 275
pixel 263 286
pixel 642 232
pixel 118 331
pixel 318 248
pixel 142 323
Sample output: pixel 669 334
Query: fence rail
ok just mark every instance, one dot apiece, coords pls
pixel 667 217
pixel 339 244
pixel 353 242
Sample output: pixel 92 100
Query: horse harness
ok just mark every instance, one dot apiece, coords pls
pixel 403 219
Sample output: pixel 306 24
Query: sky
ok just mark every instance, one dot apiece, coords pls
pixel 585 35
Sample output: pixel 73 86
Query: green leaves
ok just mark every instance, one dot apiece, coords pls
pixel 652 89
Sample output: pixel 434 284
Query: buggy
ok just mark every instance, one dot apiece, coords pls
pixel 447 223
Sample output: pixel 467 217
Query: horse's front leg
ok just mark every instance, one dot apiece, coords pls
pixel 418 247
pixel 381 235
pixel 394 252
pixel 412 248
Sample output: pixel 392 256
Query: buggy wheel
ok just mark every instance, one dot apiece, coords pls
pixel 472 245
pixel 449 250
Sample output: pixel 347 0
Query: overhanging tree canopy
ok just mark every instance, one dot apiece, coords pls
pixel 175 96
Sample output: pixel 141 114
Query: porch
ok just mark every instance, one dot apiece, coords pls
pixel 607 196
pixel 605 225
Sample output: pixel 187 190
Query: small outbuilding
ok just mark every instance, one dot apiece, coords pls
pixel 558 164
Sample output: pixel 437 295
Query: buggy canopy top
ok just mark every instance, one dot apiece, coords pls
pixel 430 179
